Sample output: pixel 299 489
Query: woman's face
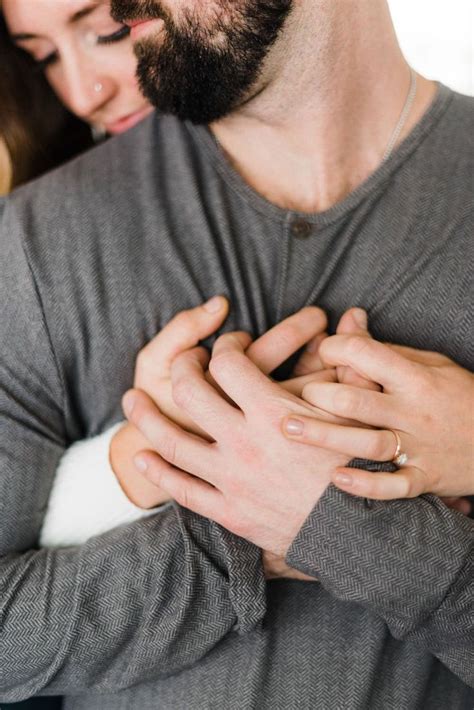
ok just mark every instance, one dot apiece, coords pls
pixel 85 55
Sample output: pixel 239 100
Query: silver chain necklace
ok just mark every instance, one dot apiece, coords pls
pixel 403 116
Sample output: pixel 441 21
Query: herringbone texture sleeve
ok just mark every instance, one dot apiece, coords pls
pixel 139 602
pixel 411 562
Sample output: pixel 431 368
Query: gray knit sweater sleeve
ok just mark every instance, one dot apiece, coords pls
pixel 411 562
pixel 139 602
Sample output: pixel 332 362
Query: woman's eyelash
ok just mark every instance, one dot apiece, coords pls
pixel 123 32
pixel 115 36
pixel 41 64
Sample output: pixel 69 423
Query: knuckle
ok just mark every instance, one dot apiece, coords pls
pixel 357 345
pixel 166 447
pixel 317 313
pixel 368 488
pixel 309 392
pixel 287 334
pixel 183 392
pixel 183 320
pixel 182 495
pixel 422 381
pixel 411 487
pixel 221 361
pixel 319 434
pixel 155 473
pixel 346 401
pixel 377 448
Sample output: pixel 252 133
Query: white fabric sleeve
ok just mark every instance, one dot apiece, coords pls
pixel 86 498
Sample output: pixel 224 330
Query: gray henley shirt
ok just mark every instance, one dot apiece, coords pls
pixel 173 612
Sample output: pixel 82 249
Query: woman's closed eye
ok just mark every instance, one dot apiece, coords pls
pixel 117 36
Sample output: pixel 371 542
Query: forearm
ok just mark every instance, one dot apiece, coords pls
pixel 409 561
pixel 86 498
pixel 124 608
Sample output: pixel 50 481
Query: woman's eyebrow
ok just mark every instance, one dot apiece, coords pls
pixel 75 17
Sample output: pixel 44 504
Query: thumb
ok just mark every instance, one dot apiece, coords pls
pixel 182 333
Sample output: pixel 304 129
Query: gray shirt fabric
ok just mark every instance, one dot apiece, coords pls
pixel 173 611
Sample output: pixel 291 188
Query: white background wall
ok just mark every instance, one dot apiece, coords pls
pixel 437 37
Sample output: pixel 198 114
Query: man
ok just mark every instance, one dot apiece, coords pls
pixel 304 100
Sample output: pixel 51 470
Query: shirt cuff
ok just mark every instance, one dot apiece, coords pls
pixel 86 498
pixel 397 557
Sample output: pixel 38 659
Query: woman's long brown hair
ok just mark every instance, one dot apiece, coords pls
pixel 38 131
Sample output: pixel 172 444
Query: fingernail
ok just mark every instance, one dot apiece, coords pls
pixel 345 479
pixel 360 317
pixel 213 305
pixel 128 403
pixel 294 427
pixel 140 463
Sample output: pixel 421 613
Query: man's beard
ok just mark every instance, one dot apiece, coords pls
pixel 198 72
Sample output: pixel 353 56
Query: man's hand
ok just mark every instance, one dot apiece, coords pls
pixel 249 478
pixel 183 332
pixel 427 399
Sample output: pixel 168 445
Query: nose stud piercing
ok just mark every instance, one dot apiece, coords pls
pixel 98 87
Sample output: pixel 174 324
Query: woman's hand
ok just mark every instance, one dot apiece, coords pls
pixel 427 400
pixel 153 375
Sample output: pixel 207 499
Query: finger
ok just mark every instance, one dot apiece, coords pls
pixel 348 376
pixel 354 322
pixel 297 384
pixel 376 445
pixel 186 490
pixel 407 483
pixel 374 408
pixel 237 375
pixel 200 400
pixel 462 505
pixel 283 340
pixel 183 332
pixel 370 359
pixel 179 448
pixel 310 360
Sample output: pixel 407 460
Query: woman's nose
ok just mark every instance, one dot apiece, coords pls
pixel 88 91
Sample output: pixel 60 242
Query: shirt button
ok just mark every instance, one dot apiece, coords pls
pixel 301 229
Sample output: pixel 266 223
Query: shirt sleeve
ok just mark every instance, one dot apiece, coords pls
pixel 86 498
pixel 411 562
pixel 127 606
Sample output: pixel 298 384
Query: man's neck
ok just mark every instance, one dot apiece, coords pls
pixel 321 122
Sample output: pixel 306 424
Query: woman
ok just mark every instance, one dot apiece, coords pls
pixel 71 70
pixel 87 58
pixel 37 132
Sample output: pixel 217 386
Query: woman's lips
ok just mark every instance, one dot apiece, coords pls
pixel 123 124
pixel 141 27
